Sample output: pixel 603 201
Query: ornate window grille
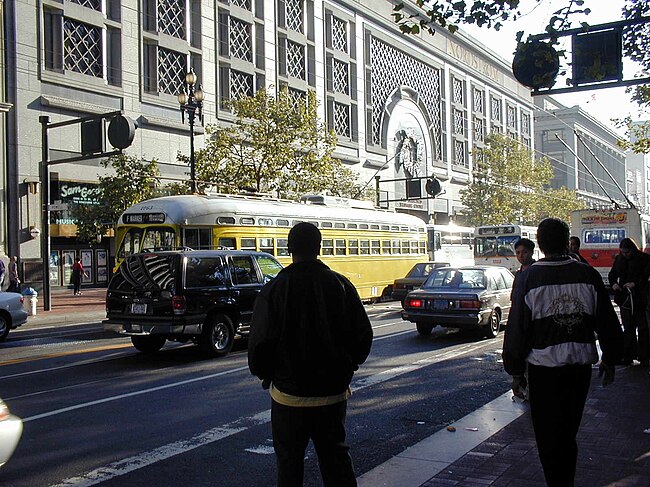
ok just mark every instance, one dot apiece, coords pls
pixel 340 77
pixel 245 4
pixel 339 34
pixel 512 117
pixel 525 124
pixel 94 4
pixel 459 153
pixel 495 109
pixel 294 15
pixel 241 84
pixel 392 67
pixel 295 60
pixel 82 48
pixel 341 119
pixel 458 97
pixel 241 43
pixel 296 96
pixel 479 130
pixel 172 66
pixel 459 122
pixel 478 101
pixel 171 18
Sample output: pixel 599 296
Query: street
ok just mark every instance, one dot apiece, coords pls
pixel 96 411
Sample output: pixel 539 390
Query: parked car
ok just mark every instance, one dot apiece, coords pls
pixel 205 296
pixel 12 313
pixel 461 297
pixel 414 279
pixel 11 428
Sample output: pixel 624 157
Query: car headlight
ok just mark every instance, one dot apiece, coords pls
pixel 4 410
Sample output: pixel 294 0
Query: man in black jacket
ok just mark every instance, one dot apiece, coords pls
pixel 558 307
pixel 309 334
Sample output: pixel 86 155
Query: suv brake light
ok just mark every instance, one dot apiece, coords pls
pixel 179 305
pixel 415 303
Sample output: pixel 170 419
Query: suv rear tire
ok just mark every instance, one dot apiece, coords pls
pixel 218 336
pixel 148 344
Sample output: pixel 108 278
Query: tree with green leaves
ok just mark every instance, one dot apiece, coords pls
pixel 276 144
pixel 510 186
pixel 134 180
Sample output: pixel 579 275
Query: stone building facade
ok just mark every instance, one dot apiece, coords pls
pixel 377 88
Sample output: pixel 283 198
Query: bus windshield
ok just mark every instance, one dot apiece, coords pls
pixel 493 246
pixel 154 237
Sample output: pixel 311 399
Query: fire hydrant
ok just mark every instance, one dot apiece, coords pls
pixel 30 300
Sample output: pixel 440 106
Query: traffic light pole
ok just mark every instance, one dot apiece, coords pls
pixel 120 136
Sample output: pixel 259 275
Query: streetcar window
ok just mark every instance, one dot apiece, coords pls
pixel 326 224
pixel 339 246
pixel 248 244
pixel 247 220
pixel 281 222
pixel 375 247
pixel 283 244
pixel 394 228
pixel 265 222
pixel 414 247
pixel 197 238
pixel 354 247
pixel 227 243
pixel 266 245
pixel 385 227
pixel 385 246
pixel 226 220
pixel 405 247
pixel 423 247
pixel 158 238
pixel 352 225
pixel 327 248
pixel 365 247
pixel 604 236
pixel 130 243
pixel 339 225
pixel 374 227
pixel 395 246
pixel 363 226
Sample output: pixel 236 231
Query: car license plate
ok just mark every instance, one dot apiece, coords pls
pixel 139 308
pixel 440 304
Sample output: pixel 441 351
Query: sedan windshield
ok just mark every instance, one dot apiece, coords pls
pixel 456 279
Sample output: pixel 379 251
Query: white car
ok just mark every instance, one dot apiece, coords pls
pixel 12 312
pixel 11 428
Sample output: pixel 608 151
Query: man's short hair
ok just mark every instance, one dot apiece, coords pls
pixel 529 244
pixel 553 236
pixel 575 239
pixel 304 239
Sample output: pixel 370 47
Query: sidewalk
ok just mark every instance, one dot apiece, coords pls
pixel 613 449
pixel 66 308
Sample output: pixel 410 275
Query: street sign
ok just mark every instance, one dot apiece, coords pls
pixel 57 207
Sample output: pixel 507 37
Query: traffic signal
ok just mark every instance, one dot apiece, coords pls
pixel 433 187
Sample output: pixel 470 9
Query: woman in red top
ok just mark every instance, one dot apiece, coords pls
pixel 77 272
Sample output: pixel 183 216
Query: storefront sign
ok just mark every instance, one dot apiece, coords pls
pixel 72 193
pixel 472 60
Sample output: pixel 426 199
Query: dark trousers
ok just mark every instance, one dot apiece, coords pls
pixel 557 399
pixel 633 348
pixel 325 426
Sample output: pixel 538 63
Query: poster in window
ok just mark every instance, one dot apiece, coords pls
pixel 102 259
pixel 102 274
pixel 68 261
pixel 54 268
pixel 88 276
pixel 86 258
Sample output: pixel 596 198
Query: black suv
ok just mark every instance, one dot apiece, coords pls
pixel 205 296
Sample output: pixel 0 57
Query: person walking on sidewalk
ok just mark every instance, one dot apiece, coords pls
pixel 558 307
pixel 14 281
pixel 77 273
pixel 629 280
pixel 309 334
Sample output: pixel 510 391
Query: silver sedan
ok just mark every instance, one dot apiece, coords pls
pixel 12 312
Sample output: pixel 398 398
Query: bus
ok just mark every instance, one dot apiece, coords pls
pixel 369 246
pixel 495 244
pixel 600 232
pixel 451 243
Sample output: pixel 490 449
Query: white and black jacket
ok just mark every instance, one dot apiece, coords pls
pixel 559 307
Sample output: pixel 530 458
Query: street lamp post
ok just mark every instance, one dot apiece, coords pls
pixel 191 101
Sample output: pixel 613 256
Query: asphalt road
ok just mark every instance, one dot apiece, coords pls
pixel 96 411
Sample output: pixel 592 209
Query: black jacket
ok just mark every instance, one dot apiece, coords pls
pixel 636 270
pixel 309 331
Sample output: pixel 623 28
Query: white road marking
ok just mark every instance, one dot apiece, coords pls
pixel 126 465
pixel 261 450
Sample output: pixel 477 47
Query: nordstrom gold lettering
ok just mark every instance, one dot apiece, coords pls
pixel 470 59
